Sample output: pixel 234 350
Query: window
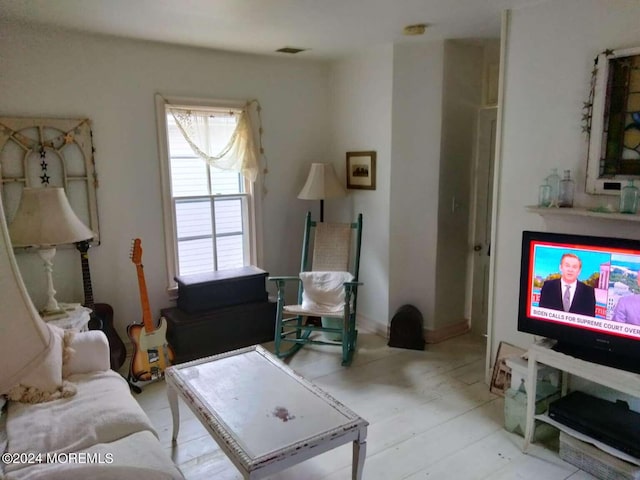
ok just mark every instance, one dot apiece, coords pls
pixel 56 152
pixel 209 219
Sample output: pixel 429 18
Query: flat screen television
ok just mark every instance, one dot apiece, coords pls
pixel 598 319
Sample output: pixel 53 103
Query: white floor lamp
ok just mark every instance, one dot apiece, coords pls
pixel 45 219
pixel 322 183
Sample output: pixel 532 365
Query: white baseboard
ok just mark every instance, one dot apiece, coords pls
pixel 449 331
pixel 371 326
pixel 430 336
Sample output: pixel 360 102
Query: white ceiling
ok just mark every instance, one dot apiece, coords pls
pixel 328 28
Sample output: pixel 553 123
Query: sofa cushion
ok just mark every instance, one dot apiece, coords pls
pixel 136 457
pixel 102 411
pixel 90 354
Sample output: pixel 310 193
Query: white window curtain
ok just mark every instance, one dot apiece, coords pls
pixel 238 155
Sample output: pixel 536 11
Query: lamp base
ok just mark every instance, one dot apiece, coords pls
pixel 52 308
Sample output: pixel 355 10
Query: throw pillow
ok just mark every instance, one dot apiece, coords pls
pixel 324 291
pixel 46 383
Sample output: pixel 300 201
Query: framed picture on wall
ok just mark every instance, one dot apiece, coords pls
pixel 612 120
pixel 361 170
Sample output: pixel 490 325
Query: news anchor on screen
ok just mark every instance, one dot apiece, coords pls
pixel 567 292
pixel 628 308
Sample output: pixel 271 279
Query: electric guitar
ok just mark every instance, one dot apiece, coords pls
pixel 101 313
pixel 151 352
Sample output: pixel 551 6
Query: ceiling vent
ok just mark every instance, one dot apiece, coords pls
pixel 417 29
pixel 291 50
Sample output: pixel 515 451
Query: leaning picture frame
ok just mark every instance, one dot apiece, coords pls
pixel 361 170
pixel 501 378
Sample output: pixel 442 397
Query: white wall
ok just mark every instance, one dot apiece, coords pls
pixel 462 96
pixel 391 100
pixel 360 112
pixel 550 52
pixel 113 82
pixel 413 222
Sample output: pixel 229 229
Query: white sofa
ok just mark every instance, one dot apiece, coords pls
pixel 99 433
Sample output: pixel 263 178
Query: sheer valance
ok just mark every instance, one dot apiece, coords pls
pixel 238 154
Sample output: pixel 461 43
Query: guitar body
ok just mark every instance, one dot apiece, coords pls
pixel 117 350
pixel 101 313
pixel 151 352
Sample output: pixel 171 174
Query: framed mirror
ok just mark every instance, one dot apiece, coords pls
pixel 614 122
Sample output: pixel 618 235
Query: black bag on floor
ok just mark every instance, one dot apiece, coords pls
pixel 406 329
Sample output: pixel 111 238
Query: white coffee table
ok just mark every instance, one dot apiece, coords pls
pixel 262 414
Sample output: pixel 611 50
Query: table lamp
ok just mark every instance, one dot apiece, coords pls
pixel 24 338
pixel 322 183
pixel 45 219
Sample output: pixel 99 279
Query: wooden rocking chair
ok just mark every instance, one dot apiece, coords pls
pixel 327 288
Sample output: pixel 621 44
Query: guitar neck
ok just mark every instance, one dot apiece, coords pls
pixel 86 281
pixel 144 300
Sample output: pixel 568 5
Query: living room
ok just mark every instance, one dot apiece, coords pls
pixel 379 98
pixel 294 137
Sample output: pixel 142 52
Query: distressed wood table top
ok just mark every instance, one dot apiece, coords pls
pixel 260 411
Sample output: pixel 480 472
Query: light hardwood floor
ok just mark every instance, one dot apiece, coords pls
pixel 431 416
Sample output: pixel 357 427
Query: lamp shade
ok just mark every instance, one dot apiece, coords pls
pixel 45 218
pixel 322 183
pixel 25 340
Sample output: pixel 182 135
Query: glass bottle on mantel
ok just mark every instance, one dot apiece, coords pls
pixel 544 195
pixel 629 198
pixel 553 181
pixel 565 193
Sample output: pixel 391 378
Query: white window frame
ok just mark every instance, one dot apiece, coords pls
pixel 253 198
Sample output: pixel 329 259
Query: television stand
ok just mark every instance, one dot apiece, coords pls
pixel 602 357
pixel 542 353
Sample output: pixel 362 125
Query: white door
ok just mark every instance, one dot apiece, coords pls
pixel 481 237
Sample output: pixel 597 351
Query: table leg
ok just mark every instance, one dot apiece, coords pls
pixel 359 454
pixel 564 388
pixel 175 412
pixel 532 383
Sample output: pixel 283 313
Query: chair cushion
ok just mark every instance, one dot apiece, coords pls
pixel 324 291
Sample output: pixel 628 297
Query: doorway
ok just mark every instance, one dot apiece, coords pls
pixel 481 227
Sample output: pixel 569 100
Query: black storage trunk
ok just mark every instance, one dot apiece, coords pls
pixel 207 291
pixel 197 335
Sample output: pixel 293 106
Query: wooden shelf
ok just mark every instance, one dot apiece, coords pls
pixel 541 353
pixel 617 379
pixel 586 438
pixel 582 212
